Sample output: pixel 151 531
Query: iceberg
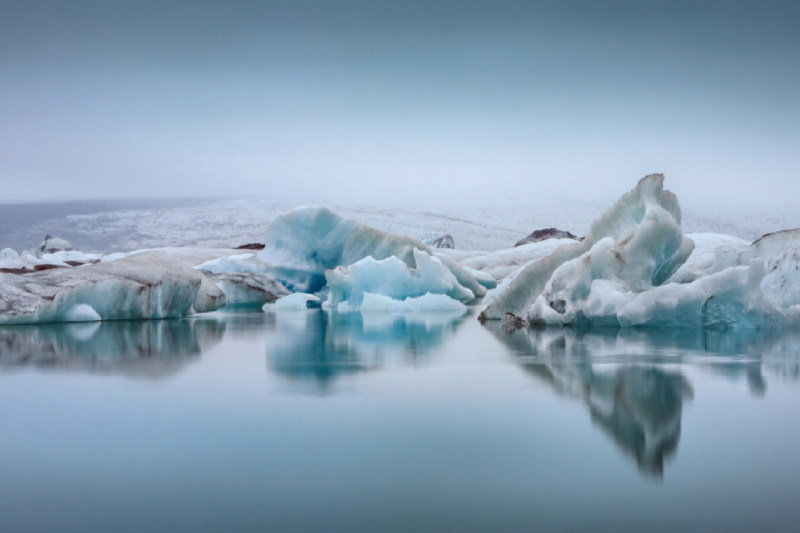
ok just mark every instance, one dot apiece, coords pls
pixel 636 268
pixel 146 285
pixel 304 243
pixel 638 241
pixel 392 278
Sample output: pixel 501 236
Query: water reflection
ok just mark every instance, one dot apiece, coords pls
pixel 321 346
pixel 620 375
pixel 142 348
pixel 639 407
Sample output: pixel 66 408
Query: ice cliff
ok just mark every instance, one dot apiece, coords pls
pixel 635 268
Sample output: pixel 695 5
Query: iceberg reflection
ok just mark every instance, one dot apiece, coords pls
pixel 619 374
pixel 638 406
pixel 141 348
pixel 328 345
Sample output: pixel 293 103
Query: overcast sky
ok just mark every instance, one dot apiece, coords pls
pixel 391 101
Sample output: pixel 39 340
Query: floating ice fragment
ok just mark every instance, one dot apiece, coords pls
pixel 82 313
pixel 294 302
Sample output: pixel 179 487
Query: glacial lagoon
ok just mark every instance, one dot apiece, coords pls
pixel 319 421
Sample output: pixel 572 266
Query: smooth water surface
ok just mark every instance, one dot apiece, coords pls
pixel 313 421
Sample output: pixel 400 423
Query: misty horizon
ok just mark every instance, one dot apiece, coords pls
pixel 376 102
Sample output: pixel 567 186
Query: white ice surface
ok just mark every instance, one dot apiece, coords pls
pixel 704 255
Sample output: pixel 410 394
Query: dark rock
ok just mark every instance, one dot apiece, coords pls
pixel 14 271
pixel 548 233
pixel 45 266
pixel 250 246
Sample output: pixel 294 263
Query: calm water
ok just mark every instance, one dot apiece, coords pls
pixel 317 422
